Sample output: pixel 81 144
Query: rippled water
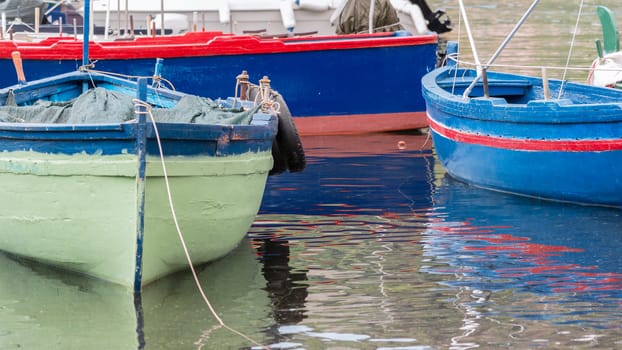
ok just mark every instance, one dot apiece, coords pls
pixel 372 247
pixel 416 260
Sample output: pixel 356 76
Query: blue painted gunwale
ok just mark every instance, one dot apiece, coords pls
pixel 515 141
pixel 107 139
pixel 347 76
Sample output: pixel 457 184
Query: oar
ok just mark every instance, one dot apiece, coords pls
pixel 17 62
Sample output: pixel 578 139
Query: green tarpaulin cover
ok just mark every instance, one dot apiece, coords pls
pixel 102 106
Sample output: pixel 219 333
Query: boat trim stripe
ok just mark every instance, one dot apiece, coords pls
pixel 522 144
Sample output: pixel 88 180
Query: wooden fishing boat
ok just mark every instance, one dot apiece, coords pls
pixel 91 185
pixel 358 83
pixel 506 134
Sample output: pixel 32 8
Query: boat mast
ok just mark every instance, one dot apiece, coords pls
pixel 372 4
pixel 86 28
pixel 501 47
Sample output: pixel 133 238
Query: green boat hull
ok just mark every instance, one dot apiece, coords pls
pixel 80 212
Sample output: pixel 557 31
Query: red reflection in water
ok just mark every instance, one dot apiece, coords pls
pixel 543 269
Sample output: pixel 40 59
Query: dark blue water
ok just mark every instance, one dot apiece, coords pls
pixel 371 247
pixel 386 251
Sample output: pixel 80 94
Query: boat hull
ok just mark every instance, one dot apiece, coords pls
pixel 106 199
pixel 359 83
pixel 80 212
pixel 565 150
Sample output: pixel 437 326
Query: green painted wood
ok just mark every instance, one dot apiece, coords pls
pixel 611 36
pixel 78 212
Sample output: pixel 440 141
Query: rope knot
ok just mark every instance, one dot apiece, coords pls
pixel 139 103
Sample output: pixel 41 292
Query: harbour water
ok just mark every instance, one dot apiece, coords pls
pixel 373 246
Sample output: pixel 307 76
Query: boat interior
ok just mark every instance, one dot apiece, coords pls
pixel 520 89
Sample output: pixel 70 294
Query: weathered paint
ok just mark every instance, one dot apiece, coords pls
pixel 79 211
pixel 516 140
pixel 141 165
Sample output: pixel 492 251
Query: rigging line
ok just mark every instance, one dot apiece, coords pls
pixel 574 35
pixel 505 42
pixel 470 36
pixel 457 55
pixel 177 227
pixel 468 63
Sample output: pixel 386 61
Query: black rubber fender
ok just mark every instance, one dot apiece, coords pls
pixel 287 150
pixel 279 165
pixel 288 140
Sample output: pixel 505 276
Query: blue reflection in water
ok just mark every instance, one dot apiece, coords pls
pixel 356 175
pixel 372 247
pixel 490 255
pixel 496 242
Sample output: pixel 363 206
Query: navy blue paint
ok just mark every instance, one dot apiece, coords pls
pixel 339 82
pixel 141 147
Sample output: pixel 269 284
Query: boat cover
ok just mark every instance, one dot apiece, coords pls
pixel 102 106
pixel 606 71
pixel 355 17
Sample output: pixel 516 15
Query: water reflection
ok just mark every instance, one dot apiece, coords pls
pixel 43 308
pixel 520 260
pixel 411 263
pixel 349 175
pixel 372 247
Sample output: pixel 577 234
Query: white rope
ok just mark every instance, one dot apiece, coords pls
pixel 537 67
pixel 574 35
pixel 139 103
pixel 470 36
pixel 267 101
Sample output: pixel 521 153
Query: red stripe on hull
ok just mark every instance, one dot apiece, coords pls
pixel 527 144
pixel 196 44
pixel 360 123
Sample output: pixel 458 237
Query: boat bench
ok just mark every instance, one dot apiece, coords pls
pixel 496 87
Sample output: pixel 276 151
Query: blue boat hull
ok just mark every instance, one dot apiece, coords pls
pixel 516 141
pixel 371 89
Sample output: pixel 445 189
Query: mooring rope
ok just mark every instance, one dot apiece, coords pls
pixel 518 66
pixel 147 111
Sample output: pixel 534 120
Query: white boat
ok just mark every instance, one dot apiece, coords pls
pixel 23 10
pixel 244 16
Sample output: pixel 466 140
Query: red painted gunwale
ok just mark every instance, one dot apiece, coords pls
pixel 196 44
pixel 527 144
